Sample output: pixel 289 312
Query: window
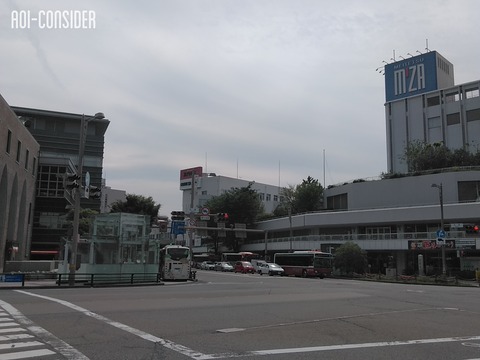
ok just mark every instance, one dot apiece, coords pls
pixel 452 97
pixel 434 122
pixel 275 198
pixel 9 141
pixel 34 166
pixel 453 119
pixel 473 115
pixel 261 196
pixel 433 101
pixel 27 155
pixel 19 149
pixel 269 197
pixel 471 93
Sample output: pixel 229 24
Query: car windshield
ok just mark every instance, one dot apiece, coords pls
pixel 274 266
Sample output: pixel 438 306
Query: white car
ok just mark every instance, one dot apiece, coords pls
pixel 270 269
pixel 207 265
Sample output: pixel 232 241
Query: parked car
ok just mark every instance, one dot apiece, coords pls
pixel 256 264
pixel 271 269
pixel 223 266
pixel 244 267
pixel 207 265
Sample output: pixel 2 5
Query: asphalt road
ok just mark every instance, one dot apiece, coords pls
pixel 228 316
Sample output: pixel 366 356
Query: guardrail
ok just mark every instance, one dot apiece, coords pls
pixel 55 279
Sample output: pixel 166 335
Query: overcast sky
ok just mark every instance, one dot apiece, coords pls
pixel 255 89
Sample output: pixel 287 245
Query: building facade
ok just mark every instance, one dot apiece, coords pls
pixel 397 219
pixel 423 104
pixel 394 220
pixel 208 185
pixel 18 169
pixel 58 134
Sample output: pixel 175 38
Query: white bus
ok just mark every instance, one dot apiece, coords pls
pixel 175 263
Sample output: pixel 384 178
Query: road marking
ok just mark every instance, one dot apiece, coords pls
pixel 59 345
pixel 26 354
pixel 199 356
pixel 146 336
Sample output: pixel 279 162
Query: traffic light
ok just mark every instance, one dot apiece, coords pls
pixel 71 181
pixel 472 229
pixel 222 217
pixel 178 215
pixel 94 192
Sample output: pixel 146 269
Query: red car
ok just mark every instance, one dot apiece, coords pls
pixel 244 267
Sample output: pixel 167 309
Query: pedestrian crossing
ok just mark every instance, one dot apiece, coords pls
pixel 16 342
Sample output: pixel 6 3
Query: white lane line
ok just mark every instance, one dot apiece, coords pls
pixel 4 325
pixel 360 346
pixel 146 336
pixel 15 337
pixel 26 354
pixel 3 331
pixel 59 345
pixel 199 356
pixel 18 345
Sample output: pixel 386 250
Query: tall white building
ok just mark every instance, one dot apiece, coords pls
pixel 423 104
pixel 208 185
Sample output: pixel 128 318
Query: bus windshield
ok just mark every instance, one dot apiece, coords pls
pixel 178 253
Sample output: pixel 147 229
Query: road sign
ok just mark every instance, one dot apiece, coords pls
pixel 205 211
pixel 441 233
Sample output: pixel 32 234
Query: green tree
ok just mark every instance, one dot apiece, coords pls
pixel 350 258
pixel 242 206
pixel 137 204
pixel 305 197
pixel 85 220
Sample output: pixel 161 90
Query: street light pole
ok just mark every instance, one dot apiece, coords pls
pixel 77 195
pixel 442 228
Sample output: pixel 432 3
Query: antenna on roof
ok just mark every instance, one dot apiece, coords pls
pixel 419 52
pixel 410 54
pixel 426 45
pixel 393 58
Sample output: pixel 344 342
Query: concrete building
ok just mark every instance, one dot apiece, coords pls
pixel 423 104
pixel 58 134
pixel 208 185
pixel 18 169
pixel 397 219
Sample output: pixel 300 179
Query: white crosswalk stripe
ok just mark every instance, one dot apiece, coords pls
pixel 17 343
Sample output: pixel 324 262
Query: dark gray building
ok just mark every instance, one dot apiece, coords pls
pixel 58 134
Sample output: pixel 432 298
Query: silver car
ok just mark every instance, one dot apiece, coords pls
pixel 270 269
pixel 223 266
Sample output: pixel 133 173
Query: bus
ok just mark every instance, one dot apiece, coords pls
pixel 240 256
pixel 305 263
pixel 175 263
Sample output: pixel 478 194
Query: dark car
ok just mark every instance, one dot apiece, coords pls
pixel 244 267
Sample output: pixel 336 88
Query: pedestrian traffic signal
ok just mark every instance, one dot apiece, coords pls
pixel 71 181
pixel 178 216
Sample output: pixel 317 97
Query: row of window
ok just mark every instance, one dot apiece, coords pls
pixel 18 158
pixel 454 96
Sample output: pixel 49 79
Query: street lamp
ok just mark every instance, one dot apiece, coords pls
pixel 440 193
pixel 77 195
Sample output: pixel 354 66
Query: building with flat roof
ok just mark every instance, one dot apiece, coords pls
pixel 400 217
pixel 423 104
pixel 208 185
pixel 58 134
pixel 18 169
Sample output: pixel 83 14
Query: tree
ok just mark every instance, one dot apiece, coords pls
pixel 242 206
pixel 137 204
pixel 305 197
pixel 85 220
pixel 350 258
pixel 421 156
